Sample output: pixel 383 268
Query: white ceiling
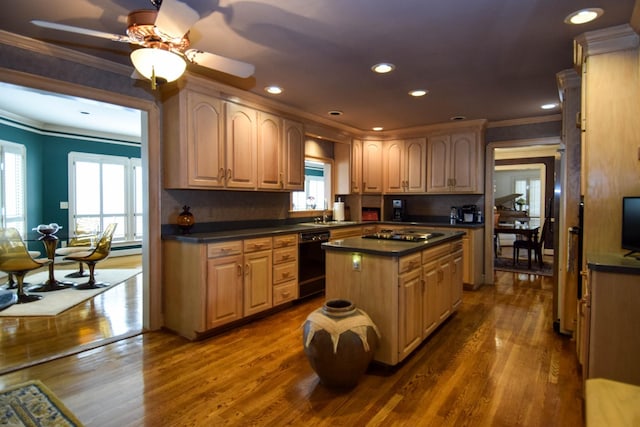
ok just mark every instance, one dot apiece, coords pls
pixel 492 59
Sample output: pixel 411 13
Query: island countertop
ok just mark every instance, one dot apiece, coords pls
pixel 390 248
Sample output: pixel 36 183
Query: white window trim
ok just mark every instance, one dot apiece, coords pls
pixel 21 150
pixel 130 214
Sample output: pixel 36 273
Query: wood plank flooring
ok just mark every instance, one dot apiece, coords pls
pixel 109 316
pixel 497 362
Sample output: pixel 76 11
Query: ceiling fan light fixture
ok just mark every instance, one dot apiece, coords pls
pixel 155 63
pixel 583 16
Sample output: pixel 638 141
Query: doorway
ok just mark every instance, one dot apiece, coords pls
pixel 150 156
pixel 511 154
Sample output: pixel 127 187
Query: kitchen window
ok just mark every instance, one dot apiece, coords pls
pixel 317 187
pixel 105 189
pixel 13 158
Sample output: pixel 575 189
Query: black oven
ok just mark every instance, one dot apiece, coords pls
pixel 311 262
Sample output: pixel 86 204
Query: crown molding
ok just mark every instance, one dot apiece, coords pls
pixel 37 46
pixel 612 39
pixel 526 121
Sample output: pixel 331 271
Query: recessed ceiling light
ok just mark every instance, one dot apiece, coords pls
pixel 548 106
pixel 383 68
pixel 335 113
pixel 274 90
pixel 583 16
pixel 456 118
pixel 377 128
pixel 418 92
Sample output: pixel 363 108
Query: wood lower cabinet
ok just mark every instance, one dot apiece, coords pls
pixel 406 297
pixel 258 275
pixel 224 292
pixel 285 268
pixel 611 339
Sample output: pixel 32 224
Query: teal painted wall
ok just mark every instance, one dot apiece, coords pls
pixel 47 170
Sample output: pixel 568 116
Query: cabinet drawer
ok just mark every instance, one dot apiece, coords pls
pixel 342 233
pixel 287 254
pixel 409 262
pixel 285 241
pixel 435 253
pixel 284 272
pixel 284 292
pixel 216 250
pixel 259 244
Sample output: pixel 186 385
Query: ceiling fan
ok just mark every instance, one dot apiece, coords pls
pixel 163 39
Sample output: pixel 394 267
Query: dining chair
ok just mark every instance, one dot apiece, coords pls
pixel 16 260
pixel 92 256
pixel 534 245
pixel 83 240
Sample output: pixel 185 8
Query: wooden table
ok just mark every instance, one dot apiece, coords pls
pixel 524 230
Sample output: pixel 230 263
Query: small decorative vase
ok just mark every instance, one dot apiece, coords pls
pixel 186 220
pixel 339 341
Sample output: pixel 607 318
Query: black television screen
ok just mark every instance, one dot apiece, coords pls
pixel 631 224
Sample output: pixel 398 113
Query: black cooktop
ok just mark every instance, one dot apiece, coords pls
pixel 403 236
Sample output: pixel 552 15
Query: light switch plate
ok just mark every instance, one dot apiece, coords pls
pixel 64 205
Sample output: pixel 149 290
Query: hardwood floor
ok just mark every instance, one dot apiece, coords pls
pixel 497 362
pixel 112 315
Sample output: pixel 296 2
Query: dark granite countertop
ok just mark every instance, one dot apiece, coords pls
pixel 613 263
pixel 254 232
pixel 391 248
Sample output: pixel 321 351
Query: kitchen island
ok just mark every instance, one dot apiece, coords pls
pixel 408 288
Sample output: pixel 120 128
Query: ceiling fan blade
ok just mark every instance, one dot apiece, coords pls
pixel 220 63
pixel 175 18
pixel 84 31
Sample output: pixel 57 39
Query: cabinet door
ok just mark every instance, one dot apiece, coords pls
pixel 443 288
pixel 464 171
pixel 241 146
pixel 415 165
pixel 430 312
pixel 437 178
pixel 258 282
pixel 394 158
pixel 269 151
pixel 224 290
pixel 410 312
pixel 457 270
pixel 293 156
pixel 356 166
pixel 372 167
pixel 205 143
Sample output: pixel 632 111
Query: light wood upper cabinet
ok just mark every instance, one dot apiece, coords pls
pixel 241 146
pixel 405 166
pixel 293 153
pixel 280 153
pixel 194 155
pixel 269 151
pixel 372 167
pixel 455 163
pixel 356 166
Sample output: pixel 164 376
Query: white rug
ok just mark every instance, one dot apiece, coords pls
pixel 56 302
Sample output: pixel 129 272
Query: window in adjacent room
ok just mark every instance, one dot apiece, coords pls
pixel 317 187
pixel 105 189
pixel 13 160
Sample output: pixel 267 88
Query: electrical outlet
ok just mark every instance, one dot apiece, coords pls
pixel 64 205
pixel 356 262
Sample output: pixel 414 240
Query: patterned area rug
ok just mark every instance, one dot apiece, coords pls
pixel 506 264
pixel 33 404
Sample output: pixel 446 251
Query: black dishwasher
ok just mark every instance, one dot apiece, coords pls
pixel 311 262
